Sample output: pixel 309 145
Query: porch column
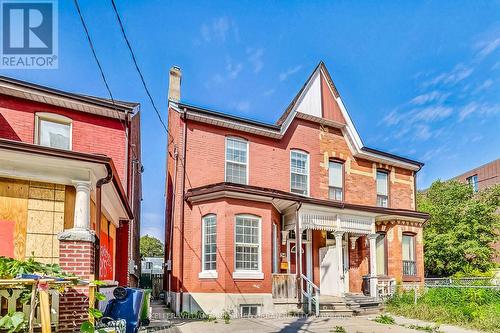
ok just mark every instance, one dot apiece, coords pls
pixel 82 205
pixel 373 265
pixel 340 260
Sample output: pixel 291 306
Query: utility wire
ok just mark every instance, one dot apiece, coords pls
pixel 103 76
pixel 137 67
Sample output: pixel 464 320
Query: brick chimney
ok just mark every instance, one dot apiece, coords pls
pixel 174 84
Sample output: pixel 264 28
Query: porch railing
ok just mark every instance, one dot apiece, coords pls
pixel 386 287
pixel 284 286
pixel 409 268
pixel 311 293
pixel 10 301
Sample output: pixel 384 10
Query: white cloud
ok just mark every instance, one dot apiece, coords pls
pixel 486 48
pixel 243 106
pixel 153 231
pixel 459 73
pixel 284 75
pixel 425 114
pixel 423 132
pixel 269 92
pixel 483 109
pixel 433 96
pixel 483 86
pixel 233 70
pixel 216 30
pixel 255 58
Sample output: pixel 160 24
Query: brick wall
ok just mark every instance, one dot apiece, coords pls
pixel 76 257
pixel 269 162
pixel 91 133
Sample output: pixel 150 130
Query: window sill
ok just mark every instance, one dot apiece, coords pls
pixel 411 278
pixel 248 275
pixel 208 275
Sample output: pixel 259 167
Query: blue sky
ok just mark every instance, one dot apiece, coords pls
pixel 420 79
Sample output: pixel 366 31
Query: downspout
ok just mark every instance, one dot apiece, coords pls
pixel 98 210
pixel 181 260
pixel 172 211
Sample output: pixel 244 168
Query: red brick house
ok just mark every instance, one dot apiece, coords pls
pixel 240 191
pixel 70 179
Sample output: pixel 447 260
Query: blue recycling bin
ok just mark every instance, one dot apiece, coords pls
pixel 126 305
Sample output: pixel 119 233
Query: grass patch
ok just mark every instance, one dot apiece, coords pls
pixel 385 319
pixel 428 328
pixel 469 307
pixel 338 329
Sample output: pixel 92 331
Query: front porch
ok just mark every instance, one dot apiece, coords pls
pixel 342 267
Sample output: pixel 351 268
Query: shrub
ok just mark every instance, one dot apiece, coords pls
pixel 385 319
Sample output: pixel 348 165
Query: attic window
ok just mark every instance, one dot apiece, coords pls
pixel 53 130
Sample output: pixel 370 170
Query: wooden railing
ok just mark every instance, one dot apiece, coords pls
pixel 284 286
pixel 10 301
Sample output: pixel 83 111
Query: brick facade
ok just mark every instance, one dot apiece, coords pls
pixel 269 168
pixel 76 257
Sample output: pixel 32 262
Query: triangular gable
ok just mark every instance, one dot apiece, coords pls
pixel 331 109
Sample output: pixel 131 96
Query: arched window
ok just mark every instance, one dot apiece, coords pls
pixel 53 130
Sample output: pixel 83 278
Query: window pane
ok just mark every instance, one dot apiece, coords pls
pixel 299 173
pixel 236 161
pixel 381 183
pixel 381 200
pixel 210 243
pixel 408 247
pixel 380 252
pixel 335 174
pixel 53 134
pixel 247 243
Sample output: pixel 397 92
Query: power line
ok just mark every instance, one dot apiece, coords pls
pixel 137 67
pixel 103 76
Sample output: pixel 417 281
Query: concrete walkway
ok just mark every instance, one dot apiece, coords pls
pixel 443 327
pixel 361 324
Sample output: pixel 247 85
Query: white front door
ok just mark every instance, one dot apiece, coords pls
pixel 328 271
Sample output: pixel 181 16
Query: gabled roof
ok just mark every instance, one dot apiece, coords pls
pixel 319 101
pixel 79 102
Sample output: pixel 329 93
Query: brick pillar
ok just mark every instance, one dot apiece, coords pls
pixel 76 251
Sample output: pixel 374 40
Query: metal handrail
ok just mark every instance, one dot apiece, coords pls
pixel 309 294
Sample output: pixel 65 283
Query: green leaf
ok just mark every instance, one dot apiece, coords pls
pixel 100 296
pixel 87 327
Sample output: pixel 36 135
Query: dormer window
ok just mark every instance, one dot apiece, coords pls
pixel 53 130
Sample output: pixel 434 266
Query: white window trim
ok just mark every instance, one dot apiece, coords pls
pixel 207 274
pixel 248 274
pixel 54 117
pixel 308 168
pixel 247 164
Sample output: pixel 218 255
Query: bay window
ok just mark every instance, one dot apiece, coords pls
pixel 409 262
pixel 209 247
pixel 247 240
pixel 299 172
pixel 236 160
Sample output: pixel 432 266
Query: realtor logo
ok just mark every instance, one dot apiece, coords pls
pixel 29 34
